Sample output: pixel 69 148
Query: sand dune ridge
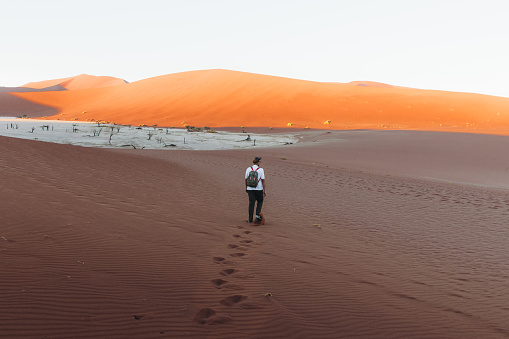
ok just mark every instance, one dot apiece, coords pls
pixel 222 98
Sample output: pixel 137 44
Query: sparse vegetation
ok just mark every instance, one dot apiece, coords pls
pixel 193 128
pixel 129 136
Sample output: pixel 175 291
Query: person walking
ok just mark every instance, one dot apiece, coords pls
pixel 255 188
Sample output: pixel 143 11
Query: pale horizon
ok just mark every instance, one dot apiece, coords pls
pixel 446 45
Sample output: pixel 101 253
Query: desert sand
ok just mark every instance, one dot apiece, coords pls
pixel 372 243
pixel 390 227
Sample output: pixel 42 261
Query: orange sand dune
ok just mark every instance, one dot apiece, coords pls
pixel 82 81
pixel 370 84
pixel 221 98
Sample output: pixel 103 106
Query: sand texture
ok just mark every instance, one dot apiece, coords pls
pixel 221 98
pixel 376 243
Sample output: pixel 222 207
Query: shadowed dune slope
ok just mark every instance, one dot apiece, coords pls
pixel 99 243
pixel 220 98
pixel 13 106
pixel 82 81
pixel 27 89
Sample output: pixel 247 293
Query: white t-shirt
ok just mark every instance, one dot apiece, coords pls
pixel 261 175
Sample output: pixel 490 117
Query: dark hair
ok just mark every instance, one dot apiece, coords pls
pixel 257 159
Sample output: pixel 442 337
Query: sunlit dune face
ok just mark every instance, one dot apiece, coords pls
pixel 220 98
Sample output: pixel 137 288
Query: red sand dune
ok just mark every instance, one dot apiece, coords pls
pixel 82 81
pixel 221 98
pixel 101 243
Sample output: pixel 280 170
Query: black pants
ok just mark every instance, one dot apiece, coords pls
pixel 255 196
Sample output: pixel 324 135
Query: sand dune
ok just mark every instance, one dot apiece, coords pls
pixel 27 89
pixel 128 243
pixel 370 84
pixel 369 234
pixel 220 98
pixel 13 106
pixel 82 81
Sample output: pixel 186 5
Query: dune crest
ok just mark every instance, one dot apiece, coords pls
pixel 222 98
pixel 83 81
pixel 370 84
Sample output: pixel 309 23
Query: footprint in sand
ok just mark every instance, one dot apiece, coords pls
pixel 220 284
pixel 233 300
pixel 236 247
pixel 238 254
pixel 207 316
pixel 221 261
pixel 228 271
pixel 246 241
pixel 218 260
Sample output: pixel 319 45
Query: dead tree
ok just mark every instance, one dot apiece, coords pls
pixel 132 145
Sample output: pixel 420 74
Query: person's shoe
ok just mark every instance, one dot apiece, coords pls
pixel 258 218
pixel 249 221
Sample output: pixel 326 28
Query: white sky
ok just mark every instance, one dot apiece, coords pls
pixel 455 45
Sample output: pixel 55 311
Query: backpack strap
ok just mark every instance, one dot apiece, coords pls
pixel 256 170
